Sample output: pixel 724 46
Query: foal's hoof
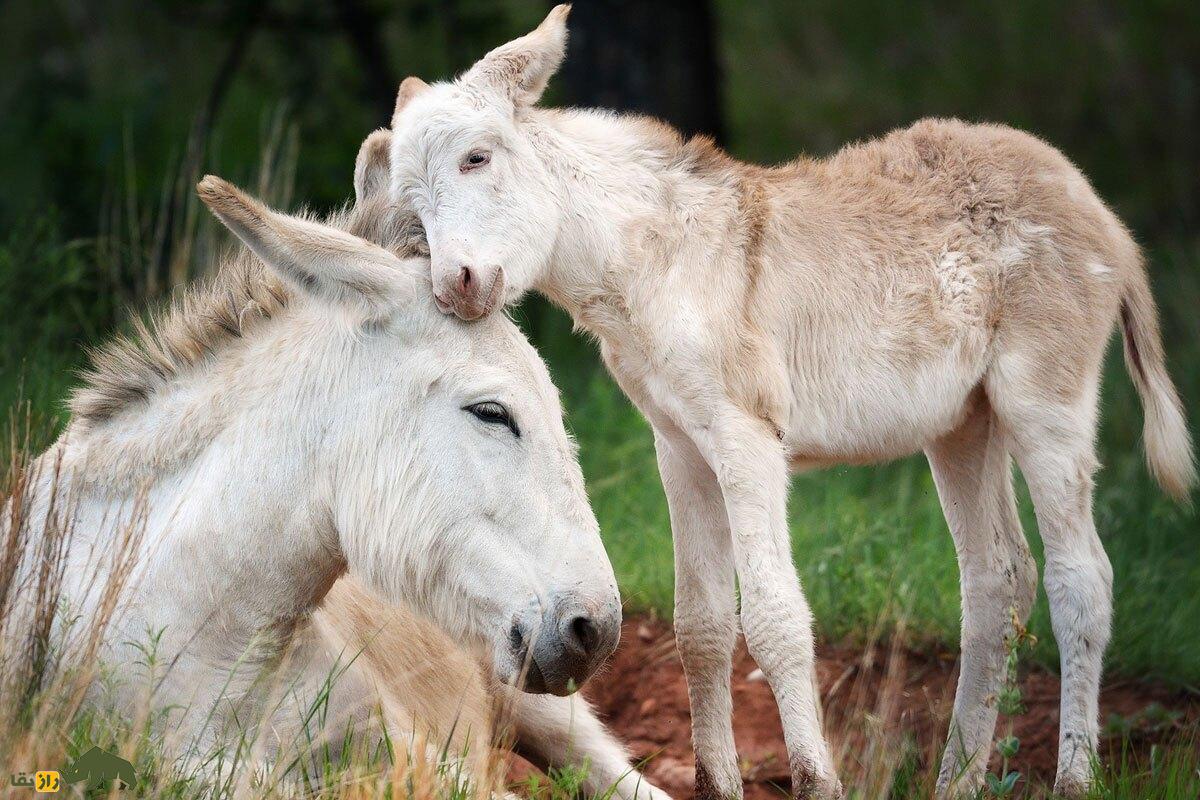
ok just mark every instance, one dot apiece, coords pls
pixel 829 789
pixel 1071 787
pixel 710 787
pixel 1076 762
pixel 808 784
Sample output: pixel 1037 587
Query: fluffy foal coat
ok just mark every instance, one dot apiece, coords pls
pixel 948 288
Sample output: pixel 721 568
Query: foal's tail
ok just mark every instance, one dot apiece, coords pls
pixel 1168 443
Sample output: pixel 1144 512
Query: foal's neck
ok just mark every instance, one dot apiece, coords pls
pixel 614 177
pixel 635 193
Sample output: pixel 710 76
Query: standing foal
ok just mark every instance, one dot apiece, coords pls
pixel 948 288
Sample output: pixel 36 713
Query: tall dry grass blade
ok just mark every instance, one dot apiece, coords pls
pixel 866 722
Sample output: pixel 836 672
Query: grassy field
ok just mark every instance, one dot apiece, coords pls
pixel 870 543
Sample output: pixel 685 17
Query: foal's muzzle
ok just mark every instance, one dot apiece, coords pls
pixel 558 652
pixel 470 292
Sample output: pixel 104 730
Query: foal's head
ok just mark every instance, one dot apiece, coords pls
pixel 464 160
pixel 452 484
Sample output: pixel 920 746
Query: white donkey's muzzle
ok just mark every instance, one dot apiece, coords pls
pixel 557 653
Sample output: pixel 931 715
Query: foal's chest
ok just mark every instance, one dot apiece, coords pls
pixel 660 366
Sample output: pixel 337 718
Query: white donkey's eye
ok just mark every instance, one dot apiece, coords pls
pixel 493 413
pixel 475 159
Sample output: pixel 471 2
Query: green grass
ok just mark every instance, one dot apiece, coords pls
pixel 870 542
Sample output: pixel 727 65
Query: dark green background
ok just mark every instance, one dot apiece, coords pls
pixel 100 97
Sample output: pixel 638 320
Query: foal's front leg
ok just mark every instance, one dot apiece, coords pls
pixel 751 468
pixel 705 611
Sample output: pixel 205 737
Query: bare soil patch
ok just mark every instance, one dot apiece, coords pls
pixel 876 700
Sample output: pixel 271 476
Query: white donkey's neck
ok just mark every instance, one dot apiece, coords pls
pixel 176 425
pixel 223 471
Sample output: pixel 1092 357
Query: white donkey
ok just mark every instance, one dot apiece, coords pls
pixel 311 419
pixel 948 288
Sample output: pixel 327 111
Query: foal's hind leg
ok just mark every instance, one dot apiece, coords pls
pixel 998 577
pixel 1053 443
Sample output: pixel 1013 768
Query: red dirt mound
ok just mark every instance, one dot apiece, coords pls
pixel 875 699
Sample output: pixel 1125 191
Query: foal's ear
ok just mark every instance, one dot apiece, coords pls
pixel 331 265
pixel 521 68
pixel 373 166
pixel 410 87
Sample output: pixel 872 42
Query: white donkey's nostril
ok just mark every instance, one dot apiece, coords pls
pixel 583 634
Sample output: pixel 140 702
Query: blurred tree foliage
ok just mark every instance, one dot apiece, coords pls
pixel 1115 85
pixel 101 99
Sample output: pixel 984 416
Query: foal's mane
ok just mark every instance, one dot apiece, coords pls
pixel 204 317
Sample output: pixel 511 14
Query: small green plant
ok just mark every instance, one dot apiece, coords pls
pixel 560 783
pixel 1010 704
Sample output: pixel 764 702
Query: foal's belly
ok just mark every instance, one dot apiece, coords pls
pixel 862 409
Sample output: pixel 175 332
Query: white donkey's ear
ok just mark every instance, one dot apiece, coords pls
pixel 521 68
pixel 331 265
pixel 373 166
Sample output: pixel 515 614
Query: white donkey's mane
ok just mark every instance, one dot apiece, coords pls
pixel 209 314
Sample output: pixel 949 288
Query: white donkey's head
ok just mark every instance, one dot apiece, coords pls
pixel 464 160
pixel 452 484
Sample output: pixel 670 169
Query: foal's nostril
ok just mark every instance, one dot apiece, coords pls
pixel 465 279
pixel 585 634
pixel 516 637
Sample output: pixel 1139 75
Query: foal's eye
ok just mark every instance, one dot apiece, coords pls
pixel 494 413
pixel 475 159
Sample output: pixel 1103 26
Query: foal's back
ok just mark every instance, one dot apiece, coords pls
pixel 1001 203
pixel 908 265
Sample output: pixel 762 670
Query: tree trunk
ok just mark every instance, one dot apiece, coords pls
pixel 656 57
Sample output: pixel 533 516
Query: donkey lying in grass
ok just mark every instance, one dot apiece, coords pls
pixel 314 418
pixel 948 288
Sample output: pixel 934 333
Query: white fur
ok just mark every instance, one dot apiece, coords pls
pixel 330 439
